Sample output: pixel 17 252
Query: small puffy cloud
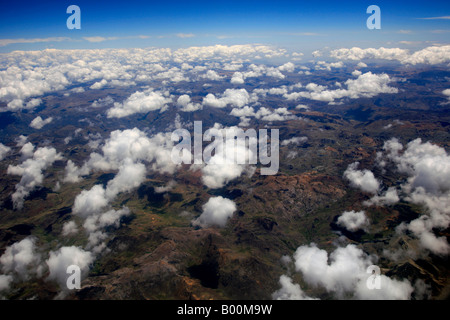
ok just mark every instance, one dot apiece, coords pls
pixel 21 258
pixel 361 179
pixel 288 67
pixel 99 84
pixel 38 123
pixel 59 260
pixel 353 220
pixel 69 228
pixel 139 102
pixel 27 150
pixel 289 290
pixel 89 202
pixel 294 140
pixel 216 212
pixel 103 102
pixel 389 198
pixel 5 282
pixel 212 75
pixel 231 158
pixel 237 78
pixel 3 151
pixel 234 97
pixel 186 105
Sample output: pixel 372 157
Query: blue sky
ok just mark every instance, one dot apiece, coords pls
pixel 291 24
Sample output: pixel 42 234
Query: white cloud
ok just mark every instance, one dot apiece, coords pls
pixel 234 97
pixel 186 105
pixel 429 55
pixel 237 78
pixel 362 179
pixel 21 258
pixel 31 173
pixel 344 272
pixel 353 220
pixel 139 102
pixel 216 212
pixel 3 151
pixel 289 290
pixel 294 140
pixel 69 228
pixel 5 282
pixel 428 184
pixel 389 198
pixel 59 260
pixel 99 84
pixel 366 85
pixel 212 75
pixel 38 123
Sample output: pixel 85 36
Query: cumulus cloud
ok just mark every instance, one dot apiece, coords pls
pixel 38 122
pixel 428 169
pixel 212 75
pixel 232 156
pixel 216 212
pixel 122 146
pixel 139 102
pixel 64 257
pixel 289 290
pixel 26 76
pixel 353 220
pixel 389 197
pixel 234 97
pixel 430 55
pixel 344 272
pixel 186 105
pixel 361 179
pixel 31 173
pixel 365 85
pixel 3 151
pixel 21 258
pixel 69 228
pixel 5 282
pixel 294 140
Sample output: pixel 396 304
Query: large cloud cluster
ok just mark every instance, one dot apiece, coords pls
pixel 343 274
pixel 429 55
pixel 31 173
pixel 126 152
pixel 365 85
pixel 26 76
pixel 131 145
pixel 428 169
